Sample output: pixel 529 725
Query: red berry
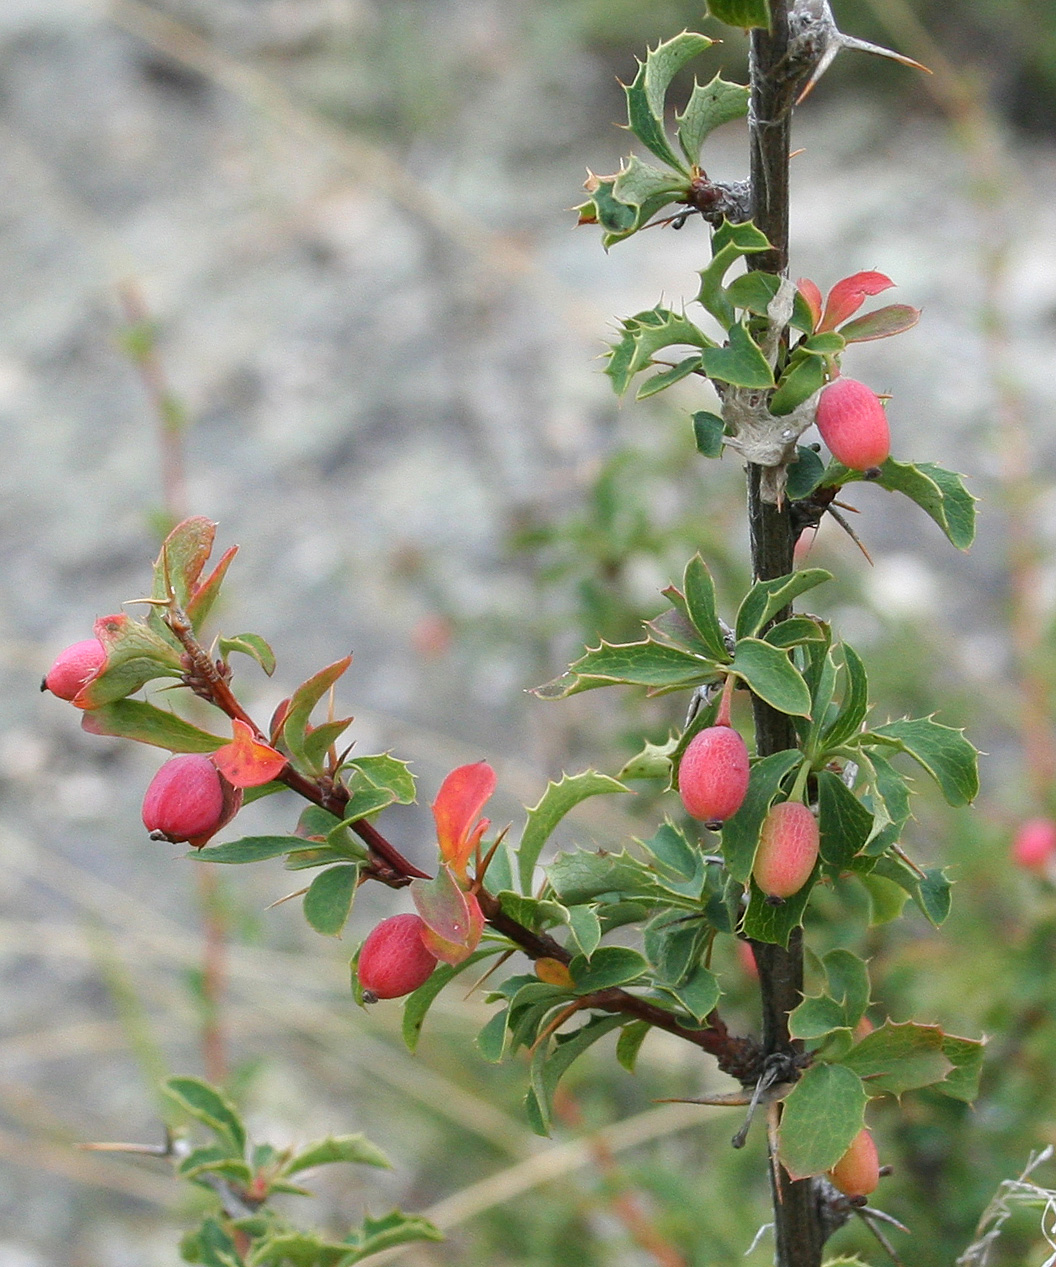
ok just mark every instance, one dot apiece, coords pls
pixel 394 959
pixel 189 800
pixel 1034 844
pixel 853 424
pixel 713 774
pixel 858 1171
pixel 73 667
pixel 788 849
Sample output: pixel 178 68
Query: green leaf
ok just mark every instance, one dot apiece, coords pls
pixel 767 598
pixel 629 1043
pixel 645 334
pixel 754 291
pixel 941 750
pixel 252 645
pixel 855 703
pixel 491 1041
pixel 966 1057
pixel 770 674
pixel 823 1113
pixel 931 892
pixel 844 821
pixel 418 1003
pixel 816 1016
pixel 740 834
pixel 938 492
pixel 532 912
pixel 647 94
pixel 646 663
pixel 881 324
pixel 210 1107
pixel 653 762
pixel 659 382
pixel 709 106
pixel 899 1058
pixel 796 630
pixel 699 590
pixel 329 899
pixel 740 363
pixel 581 877
pixel 142 722
pixel 803 376
pixel 708 432
pixel 742 13
pixel 135 655
pixel 553 805
pixel 609 966
pixel 302 702
pixel 250 849
pixel 548 1067
pixel 765 920
pixel 804 473
pixel 848 982
pixel 356 1149
pixel 886 899
pixel 698 994
pixel 674 852
pixel 729 243
pixel 586 928
pixel 385 770
pixel 320 739
pixel 387 1232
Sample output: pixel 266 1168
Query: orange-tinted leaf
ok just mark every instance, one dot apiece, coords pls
pixel 554 972
pixel 848 295
pixel 246 761
pixel 811 297
pixel 461 797
pixel 453 919
pixel 203 596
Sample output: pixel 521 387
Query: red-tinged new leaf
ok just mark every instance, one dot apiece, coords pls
pixel 247 761
pixel 882 324
pixel 457 809
pixel 200 603
pixel 135 655
pixel 453 918
pixel 848 295
pixel 302 702
pixel 811 297
pixel 183 555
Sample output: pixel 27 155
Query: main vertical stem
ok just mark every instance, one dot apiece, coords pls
pixel 797 1227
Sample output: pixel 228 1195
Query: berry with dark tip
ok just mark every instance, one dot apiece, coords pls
pixel 189 800
pixel 394 959
pixel 74 667
pixel 853 424
pixel 713 774
pixel 788 849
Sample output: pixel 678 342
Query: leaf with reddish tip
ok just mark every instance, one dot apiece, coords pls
pixel 812 298
pixel 453 918
pixel 848 295
pixel 200 603
pixel 184 553
pixel 247 761
pixel 135 655
pixel 456 810
pixel 882 324
pixel 304 699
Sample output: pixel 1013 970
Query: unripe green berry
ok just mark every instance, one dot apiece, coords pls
pixel 713 774
pixel 788 849
pixel 394 960
pixel 857 1172
pixel 853 424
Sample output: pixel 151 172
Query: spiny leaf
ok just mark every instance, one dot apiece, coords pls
pixel 941 750
pixel 647 94
pixel 740 363
pixel 823 1113
pixel 770 674
pixel 645 334
pixel 709 106
pixel 553 805
pixel 356 1149
pixel 742 13
pixel 210 1107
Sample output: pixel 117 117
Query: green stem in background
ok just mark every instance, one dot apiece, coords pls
pixel 797 1226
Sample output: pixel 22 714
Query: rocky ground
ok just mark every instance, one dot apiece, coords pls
pixel 349 225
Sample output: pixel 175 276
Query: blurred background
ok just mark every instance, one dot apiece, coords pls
pixel 320 252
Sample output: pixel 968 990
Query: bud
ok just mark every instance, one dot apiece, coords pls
pixel 713 774
pixel 73 667
pixel 1034 844
pixel 857 1172
pixel 853 424
pixel 788 849
pixel 394 959
pixel 189 800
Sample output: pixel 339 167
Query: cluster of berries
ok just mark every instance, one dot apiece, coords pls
pixel 188 799
pixel 713 782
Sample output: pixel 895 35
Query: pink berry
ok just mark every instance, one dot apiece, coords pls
pixel 73 667
pixel 853 424
pixel 189 800
pixel 858 1171
pixel 394 959
pixel 788 849
pixel 1034 844
pixel 713 774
